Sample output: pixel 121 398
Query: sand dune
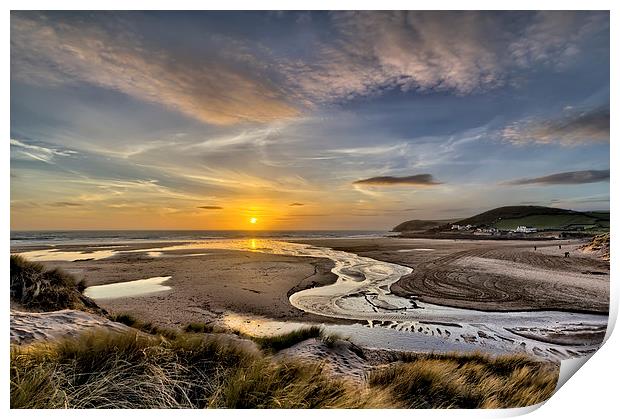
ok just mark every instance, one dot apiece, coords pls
pixel 28 327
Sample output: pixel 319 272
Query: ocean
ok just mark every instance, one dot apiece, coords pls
pixel 31 238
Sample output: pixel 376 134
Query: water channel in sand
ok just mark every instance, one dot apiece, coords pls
pixel 362 294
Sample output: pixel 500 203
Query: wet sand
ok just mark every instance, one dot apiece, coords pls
pixel 204 283
pixel 419 292
pixel 491 275
pixel 470 274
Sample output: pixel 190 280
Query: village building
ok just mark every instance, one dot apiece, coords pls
pixel 524 229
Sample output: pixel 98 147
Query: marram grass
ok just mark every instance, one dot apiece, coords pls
pixel 467 381
pixel 133 370
pixel 36 288
pixel 112 370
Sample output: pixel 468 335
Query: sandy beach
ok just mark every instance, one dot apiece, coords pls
pixel 389 293
pixel 491 275
pixel 480 275
pixel 203 284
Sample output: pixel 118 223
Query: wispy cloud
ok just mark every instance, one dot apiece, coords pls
pixel 572 128
pixel 45 50
pixel 581 200
pixel 308 215
pixel 236 80
pixel 257 137
pixel 393 149
pixel 211 207
pixel 565 178
pixel 296 204
pixel 41 152
pixel 63 204
pixel 414 180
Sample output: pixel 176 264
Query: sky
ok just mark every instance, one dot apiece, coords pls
pixel 303 120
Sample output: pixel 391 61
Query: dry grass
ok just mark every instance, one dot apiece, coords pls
pixel 198 327
pixel 286 340
pixel 598 244
pixel 467 381
pixel 132 371
pixel 150 328
pixel 277 343
pixel 36 288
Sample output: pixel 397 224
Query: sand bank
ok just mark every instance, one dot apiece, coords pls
pixel 203 284
pixel 491 275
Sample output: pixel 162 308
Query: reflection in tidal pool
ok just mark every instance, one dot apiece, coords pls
pixel 128 289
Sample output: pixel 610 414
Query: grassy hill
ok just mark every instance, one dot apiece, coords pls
pixel 510 217
pixel 540 217
pixel 418 225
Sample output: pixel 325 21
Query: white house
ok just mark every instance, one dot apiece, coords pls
pixel 524 229
pixel 461 227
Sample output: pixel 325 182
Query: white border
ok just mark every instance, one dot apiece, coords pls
pixel 592 393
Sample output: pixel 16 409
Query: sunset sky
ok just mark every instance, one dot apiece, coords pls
pixel 205 120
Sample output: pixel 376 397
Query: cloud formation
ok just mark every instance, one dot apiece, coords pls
pixel 41 152
pixel 232 79
pixel 376 94
pixel 461 52
pixel 45 50
pixel 566 178
pixel 572 128
pixel 414 180
pixel 62 204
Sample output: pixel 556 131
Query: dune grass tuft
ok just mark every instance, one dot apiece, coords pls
pixel 286 340
pixel 146 327
pixel 467 381
pixel 132 370
pixel 36 288
pixel 111 370
pixel 199 327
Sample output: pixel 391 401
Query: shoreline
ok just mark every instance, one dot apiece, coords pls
pixel 209 283
pixel 204 285
pixel 397 250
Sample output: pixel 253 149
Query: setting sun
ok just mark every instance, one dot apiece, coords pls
pixel 253 220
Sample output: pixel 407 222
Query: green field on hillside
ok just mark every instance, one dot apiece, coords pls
pixel 559 221
pixel 511 217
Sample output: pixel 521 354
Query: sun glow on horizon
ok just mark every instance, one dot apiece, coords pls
pixel 253 220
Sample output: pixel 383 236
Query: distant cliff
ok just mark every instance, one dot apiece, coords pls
pixel 510 217
pixel 418 225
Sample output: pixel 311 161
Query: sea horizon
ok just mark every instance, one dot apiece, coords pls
pixel 49 237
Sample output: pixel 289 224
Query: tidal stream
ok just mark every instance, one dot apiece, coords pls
pixel 362 294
